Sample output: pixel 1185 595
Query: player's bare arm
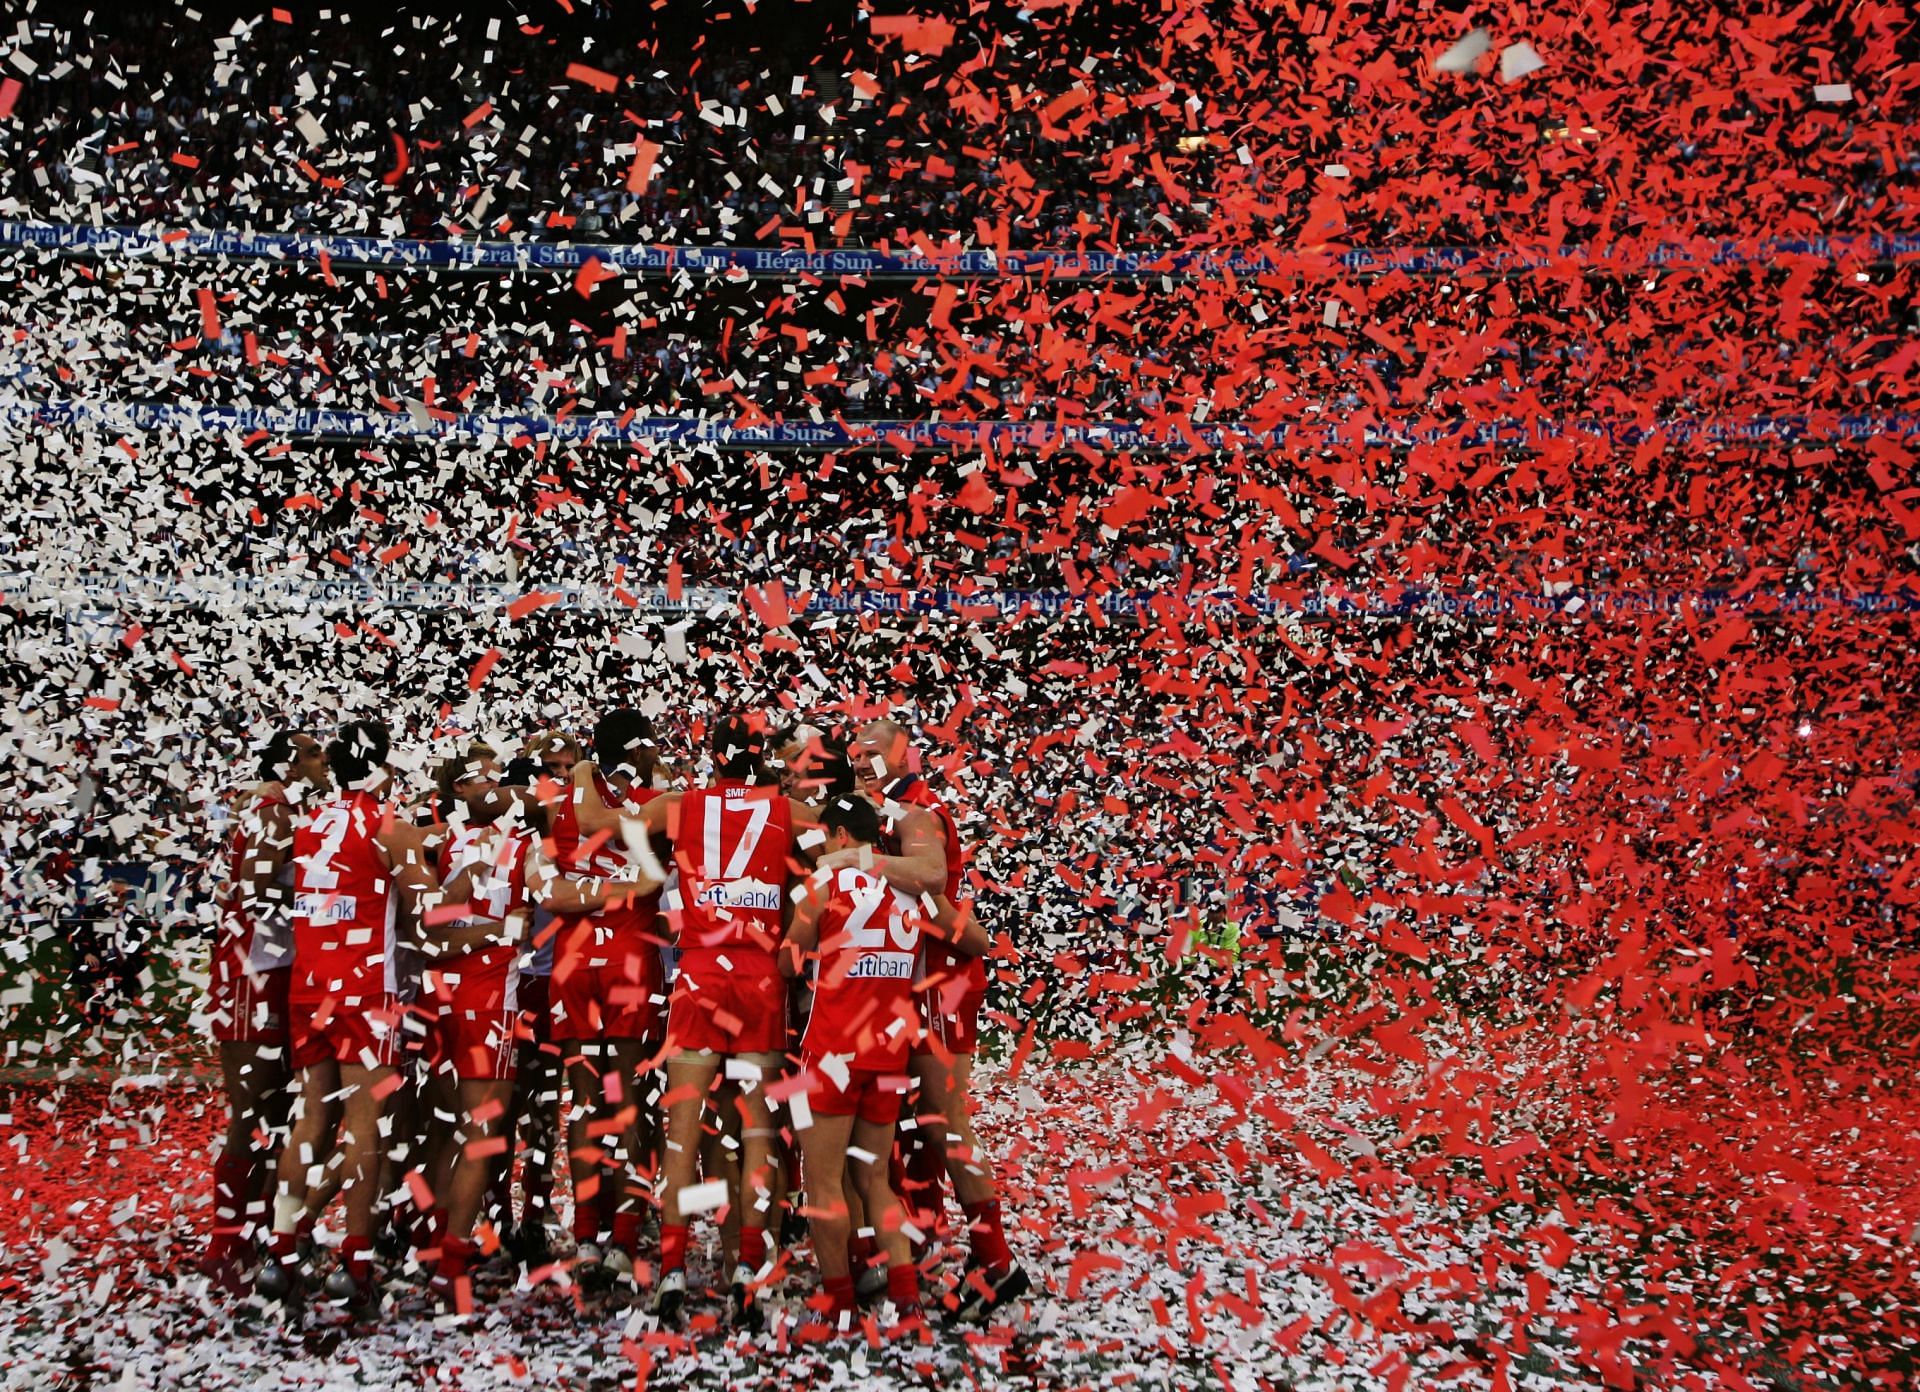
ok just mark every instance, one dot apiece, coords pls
pixel 919 869
pixel 960 926
pixel 267 854
pixel 594 816
pixel 406 850
pixel 804 902
pixel 572 894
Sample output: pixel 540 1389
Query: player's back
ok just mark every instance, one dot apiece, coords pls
pixel 497 891
pixel 499 858
pixel 732 847
pixel 863 1001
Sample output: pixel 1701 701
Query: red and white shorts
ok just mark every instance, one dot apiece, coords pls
pixel 872 1094
pixel 248 1006
pixel 728 1000
pixel 365 1031
pixel 476 1015
pixel 950 1017
pixel 608 989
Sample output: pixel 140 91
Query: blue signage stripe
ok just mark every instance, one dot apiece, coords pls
pixel 926 435
pixel 787 262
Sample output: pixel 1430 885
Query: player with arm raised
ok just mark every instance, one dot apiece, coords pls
pixel 356 864
pixel 734 850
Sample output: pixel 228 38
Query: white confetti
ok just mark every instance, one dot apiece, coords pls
pixel 703 1197
pixel 1465 53
pixel 1519 59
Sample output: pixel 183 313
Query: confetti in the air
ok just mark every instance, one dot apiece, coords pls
pixel 771 695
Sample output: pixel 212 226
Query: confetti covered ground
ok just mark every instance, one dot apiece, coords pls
pixel 1209 1215
pixel 1394 529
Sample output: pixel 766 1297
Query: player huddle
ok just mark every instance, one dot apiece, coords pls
pixel 762 992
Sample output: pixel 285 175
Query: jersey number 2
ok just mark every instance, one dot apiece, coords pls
pixel 331 827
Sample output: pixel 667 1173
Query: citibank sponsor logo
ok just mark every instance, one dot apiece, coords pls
pixel 882 966
pixel 325 908
pixel 739 894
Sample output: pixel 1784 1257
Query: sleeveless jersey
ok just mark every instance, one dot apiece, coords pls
pixel 344 902
pixel 943 962
pixel 632 918
pixel 732 849
pixel 499 887
pixel 264 945
pixel 863 997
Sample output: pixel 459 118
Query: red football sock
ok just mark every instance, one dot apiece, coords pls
pixel 673 1246
pixel 626 1231
pixel 989 1238
pixel 455 1255
pixel 903 1286
pixel 753 1247
pixel 356 1254
pixel 861 1252
pixel 840 1293
pixel 586 1221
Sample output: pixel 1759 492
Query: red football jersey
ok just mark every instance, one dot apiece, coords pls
pixel 343 901
pixel 634 917
pixel 732 848
pixel 943 961
pixel 863 1002
pixel 499 884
